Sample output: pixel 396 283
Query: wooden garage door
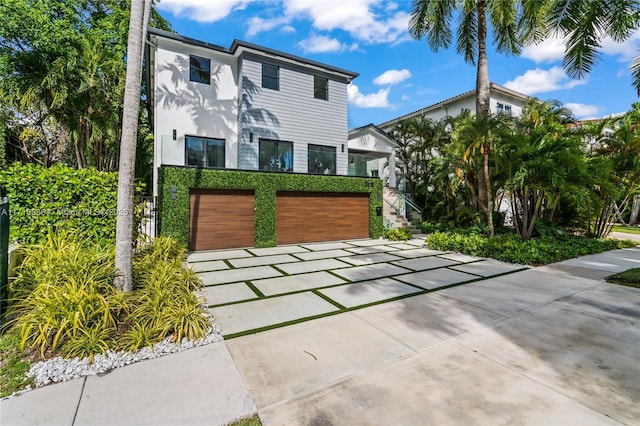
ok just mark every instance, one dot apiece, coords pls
pixel 221 219
pixel 304 217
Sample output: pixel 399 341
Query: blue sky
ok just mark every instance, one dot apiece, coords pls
pixel 397 74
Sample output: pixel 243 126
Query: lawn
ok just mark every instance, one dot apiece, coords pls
pixel 627 229
pixel 630 278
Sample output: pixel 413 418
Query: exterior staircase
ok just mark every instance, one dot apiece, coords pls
pixel 395 211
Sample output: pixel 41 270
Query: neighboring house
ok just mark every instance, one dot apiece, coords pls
pixel 250 125
pixel 503 101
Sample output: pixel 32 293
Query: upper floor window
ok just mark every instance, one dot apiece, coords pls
pixel 199 69
pixel 276 156
pixel 270 76
pixel 322 159
pixel 503 109
pixel 320 88
pixel 204 152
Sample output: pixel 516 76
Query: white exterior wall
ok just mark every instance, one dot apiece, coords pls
pixel 290 114
pixel 371 142
pixel 194 109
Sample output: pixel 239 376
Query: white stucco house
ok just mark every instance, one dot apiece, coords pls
pixel 245 107
pixel 503 101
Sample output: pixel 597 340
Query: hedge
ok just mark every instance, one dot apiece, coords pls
pixel 44 200
pixel 174 214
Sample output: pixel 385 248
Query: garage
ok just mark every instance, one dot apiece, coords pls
pixel 304 217
pixel 221 219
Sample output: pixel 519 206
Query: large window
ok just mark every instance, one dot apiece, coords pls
pixel 276 156
pixel 270 77
pixel 204 152
pixel 322 159
pixel 199 69
pixel 320 88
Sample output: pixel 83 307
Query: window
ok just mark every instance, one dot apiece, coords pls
pixel 276 156
pixel 270 77
pixel 503 109
pixel 322 159
pixel 320 88
pixel 204 152
pixel 199 69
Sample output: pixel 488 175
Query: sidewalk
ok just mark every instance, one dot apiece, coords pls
pixel 547 345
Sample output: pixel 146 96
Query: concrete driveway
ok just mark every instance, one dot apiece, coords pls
pixel 542 346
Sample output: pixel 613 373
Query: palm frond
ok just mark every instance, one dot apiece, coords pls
pixel 504 19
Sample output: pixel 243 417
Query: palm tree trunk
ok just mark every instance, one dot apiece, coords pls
pixel 124 221
pixel 489 210
pixel 483 93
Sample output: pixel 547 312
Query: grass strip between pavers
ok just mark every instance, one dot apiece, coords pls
pixel 354 308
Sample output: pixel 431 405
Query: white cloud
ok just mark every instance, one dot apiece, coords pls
pixel 392 77
pixel 583 110
pixel 627 50
pixel 258 25
pixel 550 50
pixel 379 99
pixel 540 81
pixel 287 29
pixel 323 44
pixel 368 21
pixel 202 10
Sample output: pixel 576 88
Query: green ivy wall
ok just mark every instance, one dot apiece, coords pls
pixel 174 213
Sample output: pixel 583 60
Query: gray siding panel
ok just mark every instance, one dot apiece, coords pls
pixel 290 114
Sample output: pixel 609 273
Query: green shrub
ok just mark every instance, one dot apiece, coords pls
pixel 64 301
pixel 400 234
pixel 13 369
pixel 512 248
pixel 48 200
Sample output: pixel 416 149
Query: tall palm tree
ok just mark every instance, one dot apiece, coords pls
pixel 584 23
pixel 124 222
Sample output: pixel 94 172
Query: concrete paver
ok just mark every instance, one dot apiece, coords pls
pixel 445 385
pixel 50 405
pixel 487 268
pixel 436 278
pixel 311 266
pixel 227 293
pixel 551 280
pixel 277 250
pixel 367 243
pixel 279 285
pixel 459 257
pixel 365 259
pixel 234 275
pixel 366 292
pixel 371 249
pixel 369 272
pixel 403 246
pixel 418 252
pixel 327 246
pixel 201 256
pixel 427 319
pixel 210 265
pixel 287 362
pixel 500 297
pixel 266 312
pixel 423 263
pixel 324 254
pixel 262 260
pixel 211 393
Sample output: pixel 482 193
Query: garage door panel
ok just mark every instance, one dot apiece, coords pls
pixel 221 219
pixel 312 217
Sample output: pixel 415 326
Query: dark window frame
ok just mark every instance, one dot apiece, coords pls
pixel 321 91
pixel 503 108
pixel 270 81
pixel 197 71
pixel 204 141
pixel 277 144
pixel 323 149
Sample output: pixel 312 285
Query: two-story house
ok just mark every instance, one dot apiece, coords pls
pixel 251 147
